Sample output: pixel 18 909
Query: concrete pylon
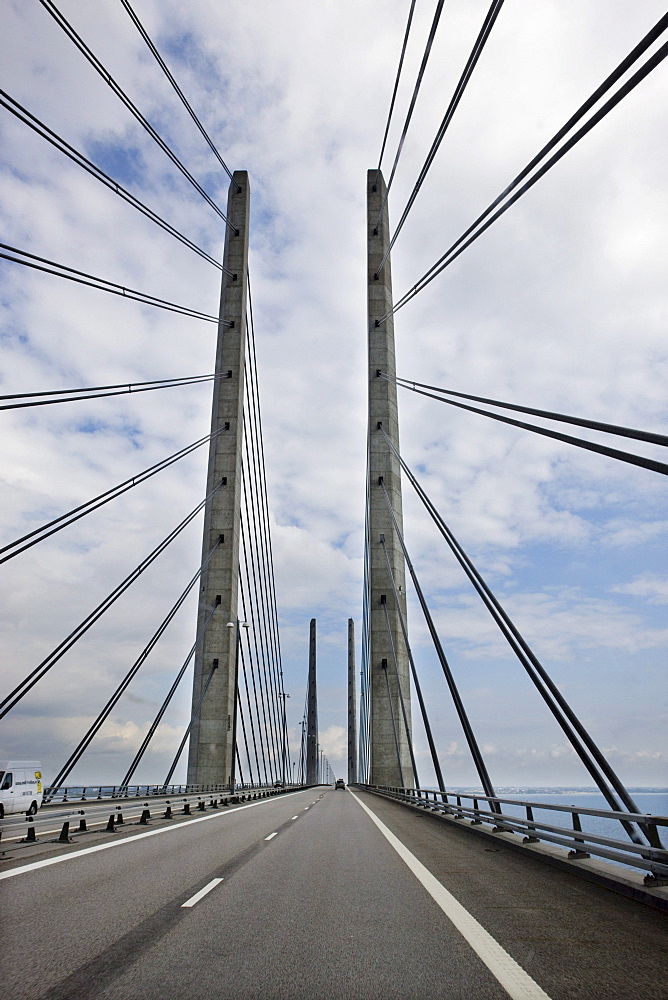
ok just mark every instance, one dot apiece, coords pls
pixel 352 706
pixel 210 758
pixel 390 762
pixel 311 712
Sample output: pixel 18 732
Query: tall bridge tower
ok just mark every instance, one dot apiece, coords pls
pixel 389 719
pixel 211 752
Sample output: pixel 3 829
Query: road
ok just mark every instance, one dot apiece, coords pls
pixel 304 896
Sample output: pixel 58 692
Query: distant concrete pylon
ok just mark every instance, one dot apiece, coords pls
pixel 210 759
pixel 352 706
pixel 312 712
pixel 390 762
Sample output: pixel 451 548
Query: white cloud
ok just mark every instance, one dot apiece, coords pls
pixel 654 588
pixel 334 742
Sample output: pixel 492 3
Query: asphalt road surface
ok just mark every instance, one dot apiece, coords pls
pixel 305 895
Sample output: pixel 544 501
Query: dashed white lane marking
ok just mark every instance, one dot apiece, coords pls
pixel 125 840
pixel 199 895
pixel 295 817
pixel 271 836
pixel 515 981
pixel 305 808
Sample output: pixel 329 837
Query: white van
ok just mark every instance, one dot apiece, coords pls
pixel 21 788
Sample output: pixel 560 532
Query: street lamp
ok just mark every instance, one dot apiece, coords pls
pixel 284 695
pixel 302 755
pixel 238 625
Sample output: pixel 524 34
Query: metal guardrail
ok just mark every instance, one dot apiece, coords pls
pixel 581 843
pixel 82 793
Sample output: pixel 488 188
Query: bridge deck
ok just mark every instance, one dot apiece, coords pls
pixel 325 908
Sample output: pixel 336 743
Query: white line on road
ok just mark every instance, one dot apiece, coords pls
pixel 199 895
pixel 295 817
pixel 271 836
pixel 515 981
pixel 126 840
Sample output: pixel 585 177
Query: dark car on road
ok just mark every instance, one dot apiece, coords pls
pixel 340 783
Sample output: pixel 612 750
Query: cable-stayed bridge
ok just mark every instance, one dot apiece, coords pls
pixel 392 884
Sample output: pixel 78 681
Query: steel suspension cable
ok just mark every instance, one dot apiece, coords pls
pixel 102 285
pixel 597 425
pixel 263 596
pixel 165 705
pixel 165 69
pixel 396 82
pixel 200 702
pixel 241 773
pixel 254 394
pixel 64 520
pixel 599 449
pixel 267 725
pixel 101 391
pixel 394 725
pixel 94 729
pixel 476 52
pixel 252 671
pixel 243 731
pixel 416 681
pixel 583 744
pixel 254 567
pixel 506 199
pixel 82 161
pixel 63 647
pixel 409 738
pixel 262 474
pixel 411 107
pixel 476 754
pixel 106 76
pixel 260 650
pixel 250 715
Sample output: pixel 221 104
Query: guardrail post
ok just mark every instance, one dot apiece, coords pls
pixel 531 839
pixel 64 837
pixel 577 853
pixel 111 823
pixel 477 821
pixel 145 817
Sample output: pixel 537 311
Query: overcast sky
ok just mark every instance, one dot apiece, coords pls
pixel 561 305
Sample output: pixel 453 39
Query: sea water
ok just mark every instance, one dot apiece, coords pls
pixel 649 801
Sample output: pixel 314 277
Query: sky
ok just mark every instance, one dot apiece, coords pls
pixel 560 305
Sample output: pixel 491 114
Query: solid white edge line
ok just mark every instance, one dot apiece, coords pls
pixel 126 840
pixel 271 836
pixel 199 895
pixel 515 981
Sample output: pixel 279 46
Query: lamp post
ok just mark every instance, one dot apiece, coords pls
pixel 302 755
pixel 286 763
pixel 238 625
